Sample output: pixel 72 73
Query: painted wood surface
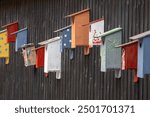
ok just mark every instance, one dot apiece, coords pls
pixel 96 28
pixel 81 77
pixel 79 32
pixel 52 59
pixel 21 38
pixel 29 55
pixel 140 36
pixel 143 57
pixel 131 52
pixel 111 56
pixel 4 46
pixel 11 28
pixel 66 38
pixel 130 57
pixel 40 53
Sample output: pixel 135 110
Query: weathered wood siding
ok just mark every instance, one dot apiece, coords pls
pixel 81 77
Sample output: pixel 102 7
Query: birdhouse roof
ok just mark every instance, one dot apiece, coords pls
pixel 61 29
pixel 27 45
pixel 110 32
pixel 19 31
pixel 77 13
pixel 49 41
pixel 3 31
pixel 39 47
pixel 127 44
pixel 139 36
pixel 9 24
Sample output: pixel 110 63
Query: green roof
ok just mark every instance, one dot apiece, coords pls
pixel 110 32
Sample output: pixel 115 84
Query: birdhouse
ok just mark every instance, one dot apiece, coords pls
pixel 130 57
pixel 79 32
pixel 28 51
pixel 11 28
pixel 40 57
pixel 65 36
pixel 143 53
pixel 111 56
pixel 21 38
pixel 52 59
pixel 4 46
pixel 96 29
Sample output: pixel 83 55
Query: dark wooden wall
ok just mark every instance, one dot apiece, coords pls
pixel 81 77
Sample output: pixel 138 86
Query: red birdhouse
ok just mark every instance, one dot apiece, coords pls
pixel 130 57
pixel 11 28
pixel 40 57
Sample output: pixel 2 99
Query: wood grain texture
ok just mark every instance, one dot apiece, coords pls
pixel 81 77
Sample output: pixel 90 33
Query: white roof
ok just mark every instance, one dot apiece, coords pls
pixel 139 36
pixel 49 41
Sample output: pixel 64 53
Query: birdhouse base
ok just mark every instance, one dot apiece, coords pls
pixel 86 50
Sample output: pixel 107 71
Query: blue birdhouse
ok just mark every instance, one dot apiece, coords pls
pixel 143 53
pixel 21 38
pixel 65 36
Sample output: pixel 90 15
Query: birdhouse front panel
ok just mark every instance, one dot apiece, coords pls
pixel 66 38
pixel 143 57
pixel 80 33
pixel 4 46
pixel 29 56
pixel 131 56
pixel 113 55
pixel 96 28
pixel 21 39
pixel 54 56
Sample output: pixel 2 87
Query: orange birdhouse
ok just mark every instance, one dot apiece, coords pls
pixel 80 33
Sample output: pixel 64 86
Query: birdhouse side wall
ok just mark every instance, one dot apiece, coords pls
pixel 46 56
pixel 140 59
pixel 103 57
